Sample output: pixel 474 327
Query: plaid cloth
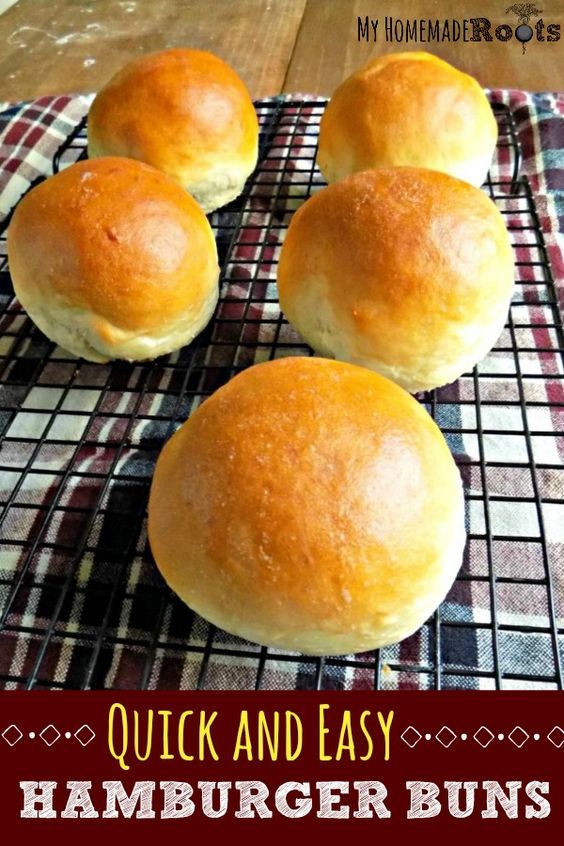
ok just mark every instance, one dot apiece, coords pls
pixel 76 464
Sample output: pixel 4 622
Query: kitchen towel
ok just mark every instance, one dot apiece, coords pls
pixel 81 601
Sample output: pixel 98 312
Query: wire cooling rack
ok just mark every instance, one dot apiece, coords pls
pixel 81 602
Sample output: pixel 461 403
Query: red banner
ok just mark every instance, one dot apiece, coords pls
pixel 106 763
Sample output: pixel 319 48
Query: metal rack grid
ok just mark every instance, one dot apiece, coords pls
pixel 82 604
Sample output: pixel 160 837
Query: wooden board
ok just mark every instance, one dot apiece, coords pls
pixel 307 46
pixel 59 46
pixel 327 49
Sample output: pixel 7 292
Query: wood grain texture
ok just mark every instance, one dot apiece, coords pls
pixel 60 46
pixel 309 46
pixel 327 49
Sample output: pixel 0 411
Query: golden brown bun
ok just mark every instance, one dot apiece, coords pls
pixel 403 270
pixel 309 505
pixel 112 259
pixel 408 109
pixel 185 112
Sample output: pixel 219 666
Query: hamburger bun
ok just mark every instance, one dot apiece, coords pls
pixel 403 270
pixel 112 259
pixel 408 109
pixel 309 505
pixel 185 112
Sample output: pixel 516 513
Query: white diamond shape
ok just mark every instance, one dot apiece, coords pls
pixel 82 730
pixel 556 731
pixel 416 741
pixel 5 733
pixel 44 739
pixel 488 741
pixel 450 736
pixel 523 736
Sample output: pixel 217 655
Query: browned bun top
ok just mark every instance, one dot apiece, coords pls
pixel 408 109
pixel 184 111
pixel 120 243
pixel 309 504
pixel 406 270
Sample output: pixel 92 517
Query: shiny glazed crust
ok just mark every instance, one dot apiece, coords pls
pixel 404 270
pixel 408 109
pixel 309 505
pixel 112 259
pixel 185 112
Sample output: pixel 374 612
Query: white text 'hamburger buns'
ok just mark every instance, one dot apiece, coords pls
pixel 309 505
pixel 185 112
pixel 408 109
pixel 406 271
pixel 112 259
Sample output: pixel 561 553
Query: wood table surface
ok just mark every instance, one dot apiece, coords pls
pixel 297 46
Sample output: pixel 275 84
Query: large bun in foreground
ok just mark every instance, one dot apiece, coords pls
pixel 185 112
pixel 112 259
pixel 309 505
pixel 408 109
pixel 403 270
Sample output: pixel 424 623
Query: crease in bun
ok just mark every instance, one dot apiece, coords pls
pixel 94 338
